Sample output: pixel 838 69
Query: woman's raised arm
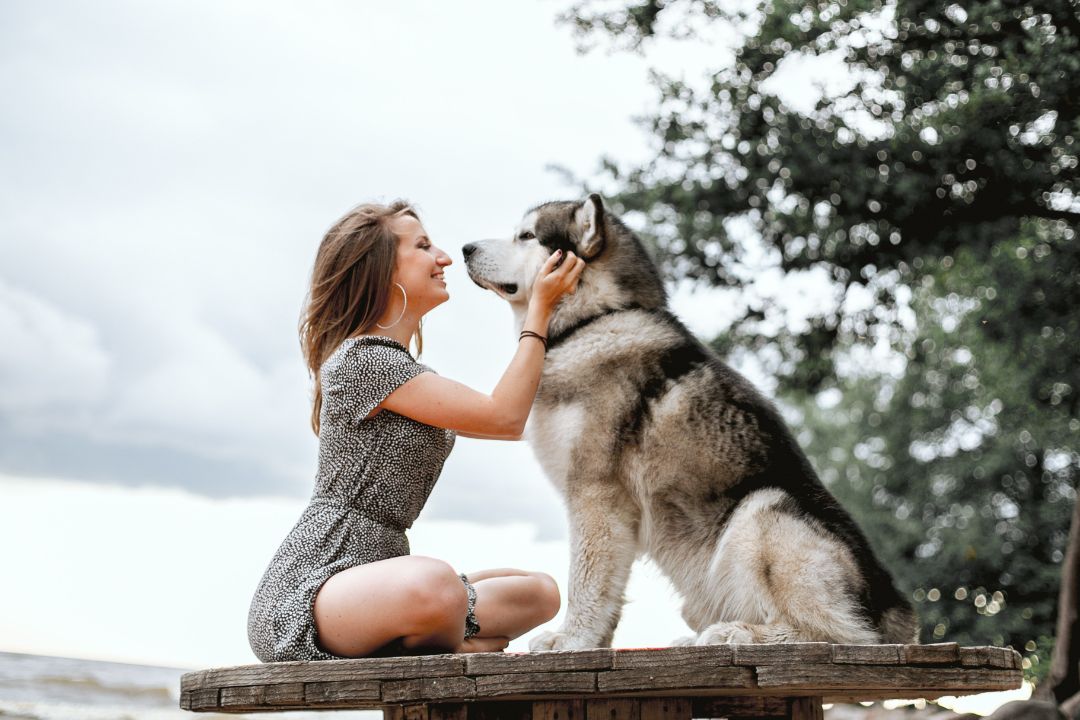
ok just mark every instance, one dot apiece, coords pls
pixel 439 401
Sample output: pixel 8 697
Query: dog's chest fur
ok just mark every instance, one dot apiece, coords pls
pixel 589 425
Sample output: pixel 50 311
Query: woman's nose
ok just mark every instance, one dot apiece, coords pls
pixel 444 259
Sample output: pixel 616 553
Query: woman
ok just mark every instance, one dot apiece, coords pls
pixel 342 583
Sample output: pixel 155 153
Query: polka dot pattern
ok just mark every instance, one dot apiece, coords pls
pixel 374 476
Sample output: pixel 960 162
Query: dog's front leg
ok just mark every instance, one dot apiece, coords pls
pixel 603 545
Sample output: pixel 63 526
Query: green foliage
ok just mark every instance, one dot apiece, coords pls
pixel 940 186
pixel 962 469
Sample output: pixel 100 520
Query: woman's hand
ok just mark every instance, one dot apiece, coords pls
pixel 552 282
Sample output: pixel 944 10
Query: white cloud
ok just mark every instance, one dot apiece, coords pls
pixel 52 364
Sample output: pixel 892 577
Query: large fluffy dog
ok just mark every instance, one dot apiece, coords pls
pixel 659 447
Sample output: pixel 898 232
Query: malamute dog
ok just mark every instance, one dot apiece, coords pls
pixel 660 448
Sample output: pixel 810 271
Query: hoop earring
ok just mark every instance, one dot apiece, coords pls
pixel 387 327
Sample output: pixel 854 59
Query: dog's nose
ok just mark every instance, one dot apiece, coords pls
pixel 468 250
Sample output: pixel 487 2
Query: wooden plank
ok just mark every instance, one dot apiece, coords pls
pixel 554 661
pixel 747 706
pixel 532 684
pixel 713 655
pixel 500 711
pixel 902 680
pixel 312 671
pixel 673 708
pixel 806 708
pixel 448 711
pixel 185 700
pixel 984 656
pixel 866 654
pixel 393 712
pixel 936 654
pixel 205 699
pixel 439 688
pixel 342 692
pixel 621 709
pixel 558 710
pixel 665 677
pixel 263 696
pixel 776 653
pixel 414 712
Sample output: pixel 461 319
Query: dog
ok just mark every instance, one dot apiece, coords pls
pixel 660 449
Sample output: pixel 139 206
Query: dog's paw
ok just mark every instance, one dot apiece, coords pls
pixel 684 641
pixel 723 633
pixel 549 640
pixel 561 640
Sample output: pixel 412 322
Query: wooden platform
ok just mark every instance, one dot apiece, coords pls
pixel 734 681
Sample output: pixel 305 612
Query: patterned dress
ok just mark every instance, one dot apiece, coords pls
pixel 374 476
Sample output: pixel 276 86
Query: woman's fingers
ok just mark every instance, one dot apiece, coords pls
pixel 575 273
pixel 549 264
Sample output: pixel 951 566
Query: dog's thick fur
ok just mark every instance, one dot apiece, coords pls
pixel 660 448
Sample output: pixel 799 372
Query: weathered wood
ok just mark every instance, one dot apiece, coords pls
pixel 205 699
pixel 555 661
pixel 713 655
pixel 558 710
pixel 987 656
pixel 866 654
pixel 937 654
pixel 613 709
pixel 402 668
pixel 341 693
pixel 901 680
pixel 576 683
pixel 418 689
pixel 448 711
pixel 806 708
pixel 669 677
pixel 740 681
pixel 748 706
pixel 500 711
pixel 673 708
pixel 257 696
pixel 772 654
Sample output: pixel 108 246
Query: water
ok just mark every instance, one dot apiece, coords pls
pixel 43 687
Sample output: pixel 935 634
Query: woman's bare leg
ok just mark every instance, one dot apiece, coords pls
pixel 418 599
pixel 509 603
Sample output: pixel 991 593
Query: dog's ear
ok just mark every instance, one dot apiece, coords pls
pixel 590 222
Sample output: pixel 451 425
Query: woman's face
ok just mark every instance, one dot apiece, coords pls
pixel 419 265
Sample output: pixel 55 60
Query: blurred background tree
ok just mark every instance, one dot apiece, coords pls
pixel 934 196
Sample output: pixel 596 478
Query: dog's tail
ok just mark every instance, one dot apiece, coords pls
pixel 900 625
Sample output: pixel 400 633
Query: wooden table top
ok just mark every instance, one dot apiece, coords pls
pixel 836 673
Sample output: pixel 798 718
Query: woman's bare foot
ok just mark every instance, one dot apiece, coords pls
pixel 482 644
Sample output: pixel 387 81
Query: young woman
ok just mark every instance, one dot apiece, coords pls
pixel 342 583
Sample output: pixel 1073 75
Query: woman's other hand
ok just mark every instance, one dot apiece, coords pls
pixel 552 282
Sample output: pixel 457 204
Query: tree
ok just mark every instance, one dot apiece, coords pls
pixel 940 184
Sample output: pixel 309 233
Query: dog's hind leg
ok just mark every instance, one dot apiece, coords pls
pixel 603 546
pixel 778 577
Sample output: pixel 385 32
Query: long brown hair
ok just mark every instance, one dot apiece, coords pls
pixel 351 285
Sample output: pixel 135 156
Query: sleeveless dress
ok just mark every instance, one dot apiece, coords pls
pixel 374 476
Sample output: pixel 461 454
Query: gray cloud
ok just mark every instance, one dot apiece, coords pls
pixel 168 172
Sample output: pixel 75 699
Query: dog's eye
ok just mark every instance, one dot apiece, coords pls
pixel 526 236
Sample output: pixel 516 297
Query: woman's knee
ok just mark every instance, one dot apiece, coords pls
pixel 435 595
pixel 548 599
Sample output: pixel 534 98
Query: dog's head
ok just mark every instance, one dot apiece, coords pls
pixel 619 272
